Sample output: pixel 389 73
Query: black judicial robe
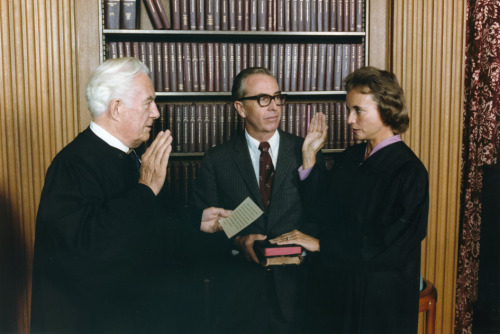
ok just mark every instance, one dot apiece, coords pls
pixel 374 217
pixel 100 245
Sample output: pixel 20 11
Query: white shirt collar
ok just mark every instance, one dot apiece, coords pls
pixel 107 137
pixel 253 148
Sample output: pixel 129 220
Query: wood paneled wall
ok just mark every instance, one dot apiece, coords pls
pixel 39 100
pixel 428 57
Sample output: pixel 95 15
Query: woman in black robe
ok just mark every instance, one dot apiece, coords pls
pixel 372 208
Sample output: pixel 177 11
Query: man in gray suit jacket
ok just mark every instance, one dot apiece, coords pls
pixel 251 298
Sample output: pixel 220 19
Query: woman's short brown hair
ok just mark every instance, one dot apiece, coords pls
pixel 386 92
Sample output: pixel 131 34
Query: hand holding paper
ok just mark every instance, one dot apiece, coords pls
pixel 245 214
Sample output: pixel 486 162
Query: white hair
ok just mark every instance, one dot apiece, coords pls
pixel 111 80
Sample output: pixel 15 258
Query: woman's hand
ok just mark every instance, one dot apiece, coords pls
pixel 296 237
pixel 314 141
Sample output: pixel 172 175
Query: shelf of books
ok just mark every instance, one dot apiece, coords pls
pixel 194 49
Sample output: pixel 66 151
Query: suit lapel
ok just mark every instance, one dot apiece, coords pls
pixel 245 168
pixel 285 163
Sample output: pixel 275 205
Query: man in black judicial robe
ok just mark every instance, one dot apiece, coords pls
pixel 104 242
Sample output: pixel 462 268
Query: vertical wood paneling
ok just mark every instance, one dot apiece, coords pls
pixel 38 108
pixel 427 54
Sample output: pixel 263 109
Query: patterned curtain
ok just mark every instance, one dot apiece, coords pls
pixel 481 142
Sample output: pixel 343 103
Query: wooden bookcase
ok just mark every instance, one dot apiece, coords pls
pixel 186 155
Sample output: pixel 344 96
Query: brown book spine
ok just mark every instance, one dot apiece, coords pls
pixel 192 128
pixel 165 22
pixel 307 15
pixel 209 14
pixel 300 16
pixel 178 128
pixel 175 14
pixel 232 15
pixel 143 53
pixel 314 67
pixel 135 49
pixel 337 75
pixel 340 15
pixel 224 15
pixel 240 15
pixel 298 119
pixel 353 61
pixel 229 121
pixel 259 54
pixel 112 50
pixel 304 113
pixel 222 123
pixel 319 15
pixel 195 67
pixel 330 59
pixel 224 67
pixel 359 15
pixel 216 4
pixel 281 65
pixel 121 50
pixel 230 65
pixel 288 15
pixel 347 10
pixel 184 9
pixel 280 15
pixel 112 14
pixel 206 127
pixel 252 59
pixel 244 56
pixel 127 49
pixel 273 65
pixel 332 25
pixel 217 75
pixel 202 59
pixel 287 70
pixel 128 14
pixel 192 14
pixel 238 53
pixel 180 67
pixel 345 130
pixel 338 124
pixel 294 15
pixel 246 15
pixel 253 15
pixel 331 124
pixel 265 56
pixel 294 67
pixel 150 60
pixel 172 61
pixel 290 118
pixel 321 67
pixel 308 68
pixel 346 59
pixel 153 14
pixel 201 14
pixel 170 118
pixel 301 71
pixel 360 56
pixel 214 126
pixel 352 15
pixel 199 128
pixel 210 67
pixel 158 67
pixel 165 66
pixel 185 128
pixel 314 15
pixel 187 64
pixel 270 15
pixel 284 110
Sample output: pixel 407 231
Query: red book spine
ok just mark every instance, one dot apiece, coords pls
pixel 166 67
pixel 172 60
pixel 195 67
pixel 165 22
pixel 153 14
pixel 281 251
pixel 112 14
pixel 186 62
pixel 175 14
pixel 202 67
pixel 128 14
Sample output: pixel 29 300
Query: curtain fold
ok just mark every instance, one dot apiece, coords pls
pixel 481 143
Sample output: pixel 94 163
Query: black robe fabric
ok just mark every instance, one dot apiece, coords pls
pixel 101 246
pixel 373 215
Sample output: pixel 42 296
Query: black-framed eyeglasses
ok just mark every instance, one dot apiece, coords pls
pixel 264 100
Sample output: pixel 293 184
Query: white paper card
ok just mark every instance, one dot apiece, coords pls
pixel 245 214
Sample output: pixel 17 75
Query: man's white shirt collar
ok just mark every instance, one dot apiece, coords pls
pixel 107 137
pixel 253 148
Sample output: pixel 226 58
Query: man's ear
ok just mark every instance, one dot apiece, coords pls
pixel 114 109
pixel 240 108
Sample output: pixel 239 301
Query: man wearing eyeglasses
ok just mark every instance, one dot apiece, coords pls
pixel 251 298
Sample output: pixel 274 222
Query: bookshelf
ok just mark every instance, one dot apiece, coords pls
pixel 202 117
